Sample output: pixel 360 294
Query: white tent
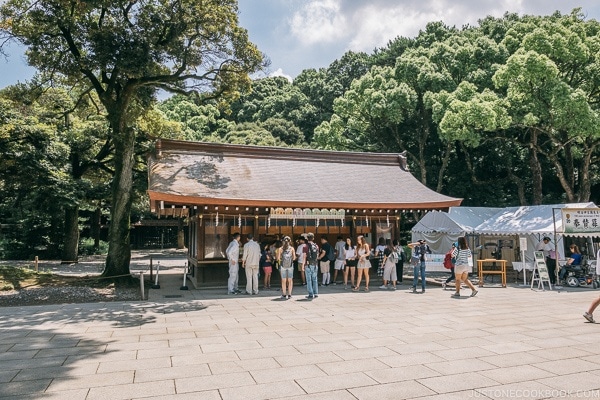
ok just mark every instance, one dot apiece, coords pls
pixel 530 222
pixel 440 229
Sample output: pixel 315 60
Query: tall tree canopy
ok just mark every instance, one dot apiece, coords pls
pixel 124 51
pixel 513 103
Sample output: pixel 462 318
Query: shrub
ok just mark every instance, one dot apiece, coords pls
pixel 86 247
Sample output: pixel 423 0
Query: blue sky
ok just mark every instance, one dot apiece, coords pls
pixel 300 34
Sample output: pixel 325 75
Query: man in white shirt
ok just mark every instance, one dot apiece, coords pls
pixel 251 261
pixel 233 255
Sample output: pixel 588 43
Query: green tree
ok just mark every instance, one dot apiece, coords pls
pixel 125 51
pixel 544 98
pixel 80 133
pixel 275 97
pixel 368 114
pixel 552 84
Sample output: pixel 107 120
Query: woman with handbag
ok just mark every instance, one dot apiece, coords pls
pixel 461 268
pixel 362 251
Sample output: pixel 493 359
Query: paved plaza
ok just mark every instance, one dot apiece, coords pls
pixel 504 343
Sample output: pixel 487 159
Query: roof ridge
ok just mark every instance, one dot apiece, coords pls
pixel 252 151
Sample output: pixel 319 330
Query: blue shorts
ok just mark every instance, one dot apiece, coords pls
pixel 287 273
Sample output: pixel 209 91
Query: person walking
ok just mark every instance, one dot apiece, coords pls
pixel 390 258
pixel 589 314
pixel 449 262
pixel 420 251
pixel 363 251
pixel 350 254
pixel 251 261
pixel 462 268
pixel 340 258
pixel 287 255
pixel 233 256
pixel 310 267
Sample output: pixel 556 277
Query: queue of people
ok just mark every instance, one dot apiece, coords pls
pixel 351 262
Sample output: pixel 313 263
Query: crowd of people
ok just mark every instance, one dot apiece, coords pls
pixel 351 263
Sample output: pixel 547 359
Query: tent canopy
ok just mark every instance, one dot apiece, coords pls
pixel 527 220
pixel 441 229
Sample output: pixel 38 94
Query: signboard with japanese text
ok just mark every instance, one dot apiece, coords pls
pixel 580 220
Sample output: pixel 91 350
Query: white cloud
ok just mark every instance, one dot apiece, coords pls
pixel 365 25
pixel 279 72
pixel 313 33
pixel 318 21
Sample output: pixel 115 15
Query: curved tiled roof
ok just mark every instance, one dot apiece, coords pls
pixel 190 173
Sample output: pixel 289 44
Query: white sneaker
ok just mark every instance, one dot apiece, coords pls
pixel 383 287
pixel 444 285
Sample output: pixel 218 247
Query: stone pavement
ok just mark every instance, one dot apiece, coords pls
pixel 504 343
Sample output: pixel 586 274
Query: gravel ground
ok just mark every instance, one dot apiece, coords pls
pixel 66 295
pixel 87 267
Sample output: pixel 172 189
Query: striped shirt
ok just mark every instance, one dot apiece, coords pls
pixel 462 258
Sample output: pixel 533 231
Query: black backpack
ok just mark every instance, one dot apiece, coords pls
pixel 313 253
pixel 331 253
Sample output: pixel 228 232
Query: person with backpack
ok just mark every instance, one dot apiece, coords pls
pixel 287 255
pixel 390 259
pixel 449 262
pixel 420 251
pixel 310 267
pixel 326 256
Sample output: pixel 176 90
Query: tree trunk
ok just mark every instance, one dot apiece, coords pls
pixel 119 248
pixel 71 242
pixel 536 169
pixel 445 161
pixel 95 225
pixel 585 185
